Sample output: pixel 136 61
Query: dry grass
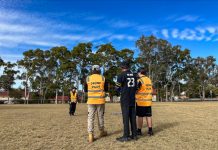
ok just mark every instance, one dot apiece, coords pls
pixel 176 126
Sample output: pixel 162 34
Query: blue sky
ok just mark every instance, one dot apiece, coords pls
pixel 30 24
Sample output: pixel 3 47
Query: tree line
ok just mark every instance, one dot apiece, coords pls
pixel 49 73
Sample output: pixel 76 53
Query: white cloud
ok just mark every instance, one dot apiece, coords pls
pixel 10 41
pixel 188 34
pixel 165 33
pixel 11 57
pixel 197 33
pixel 187 18
pixel 121 37
pixel 212 30
pixel 18 28
pixel 175 33
pixel 120 23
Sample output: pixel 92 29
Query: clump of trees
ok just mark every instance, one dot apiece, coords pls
pixel 171 68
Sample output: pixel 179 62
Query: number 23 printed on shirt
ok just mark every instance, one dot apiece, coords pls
pixel 131 82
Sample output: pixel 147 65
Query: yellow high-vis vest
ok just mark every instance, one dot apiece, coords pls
pixel 96 94
pixel 73 97
pixel 144 94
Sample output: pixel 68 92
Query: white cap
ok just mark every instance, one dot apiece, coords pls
pixel 96 67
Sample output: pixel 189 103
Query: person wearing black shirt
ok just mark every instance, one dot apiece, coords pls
pixel 127 85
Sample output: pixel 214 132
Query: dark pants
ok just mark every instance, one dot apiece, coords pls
pixel 129 116
pixel 72 108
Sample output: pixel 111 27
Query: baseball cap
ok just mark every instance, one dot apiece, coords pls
pixel 125 65
pixel 96 67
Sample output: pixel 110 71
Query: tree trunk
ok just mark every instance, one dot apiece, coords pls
pixel 172 92
pixel 8 97
pixel 203 93
pixel 200 93
pixel 149 69
pixel 56 96
pixel 41 92
pixel 166 93
pixel 111 98
pixel 26 89
pixel 83 94
pixel 63 97
pixel 28 96
pixel 44 94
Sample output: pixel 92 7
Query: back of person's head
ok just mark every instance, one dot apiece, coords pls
pixel 73 89
pixel 142 71
pixel 125 65
pixel 96 69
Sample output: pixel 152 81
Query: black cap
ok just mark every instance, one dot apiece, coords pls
pixel 74 88
pixel 142 71
pixel 125 65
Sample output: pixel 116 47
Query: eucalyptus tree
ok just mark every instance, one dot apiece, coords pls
pixel 9 76
pixel 81 57
pixel 206 68
pixel 28 70
pixel 65 69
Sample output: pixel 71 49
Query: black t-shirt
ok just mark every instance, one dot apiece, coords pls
pixel 127 81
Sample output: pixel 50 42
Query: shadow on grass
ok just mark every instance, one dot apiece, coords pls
pixel 157 129
pixel 164 126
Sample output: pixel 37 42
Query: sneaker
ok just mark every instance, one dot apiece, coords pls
pixel 139 132
pixel 103 133
pixel 91 138
pixel 134 138
pixel 123 139
pixel 150 133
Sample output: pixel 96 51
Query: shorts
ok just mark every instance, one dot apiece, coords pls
pixel 143 111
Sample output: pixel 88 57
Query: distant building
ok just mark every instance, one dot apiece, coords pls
pixel 4 96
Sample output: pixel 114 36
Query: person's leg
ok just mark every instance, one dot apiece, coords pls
pixel 74 108
pixel 140 122
pixel 100 113
pixel 125 115
pixel 149 120
pixel 70 111
pixel 139 119
pixel 132 114
pixel 91 117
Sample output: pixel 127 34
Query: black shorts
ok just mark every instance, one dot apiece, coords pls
pixel 143 111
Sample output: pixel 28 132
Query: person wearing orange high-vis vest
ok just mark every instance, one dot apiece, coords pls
pixel 96 87
pixel 144 101
pixel 73 101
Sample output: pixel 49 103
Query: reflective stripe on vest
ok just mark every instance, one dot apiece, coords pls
pixel 95 91
pixel 96 96
pixel 144 93
pixel 144 100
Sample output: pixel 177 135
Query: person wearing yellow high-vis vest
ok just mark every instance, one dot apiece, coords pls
pixel 95 87
pixel 144 101
pixel 73 101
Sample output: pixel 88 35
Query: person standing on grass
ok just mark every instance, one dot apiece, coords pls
pixel 144 101
pixel 127 85
pixel 96 87
pixel 73 101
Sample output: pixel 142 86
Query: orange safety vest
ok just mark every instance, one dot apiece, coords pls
pixel 73 97
pixel 144 94
pixel 96 94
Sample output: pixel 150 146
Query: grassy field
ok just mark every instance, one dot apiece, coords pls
pixel 176 126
